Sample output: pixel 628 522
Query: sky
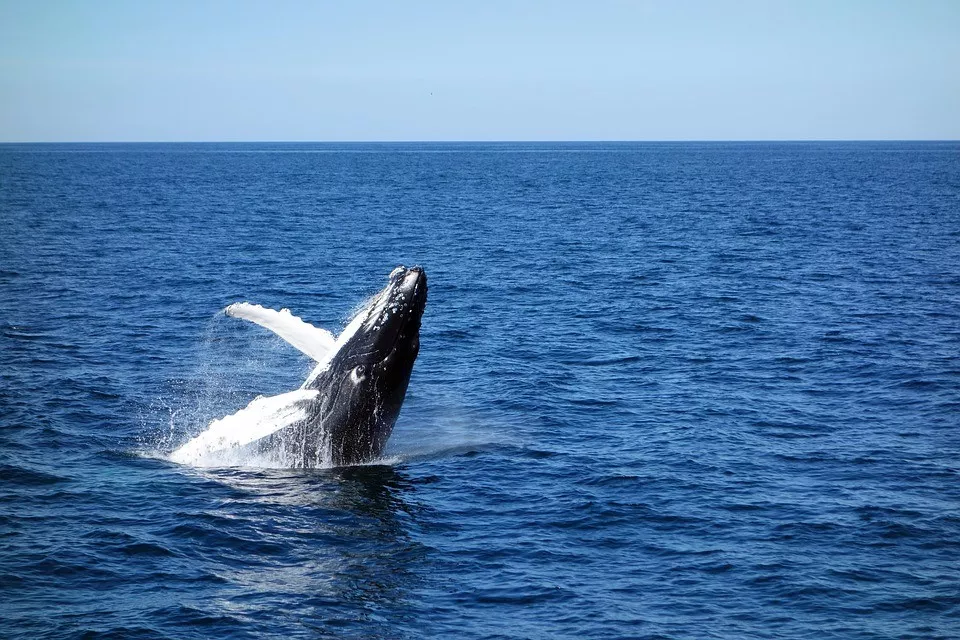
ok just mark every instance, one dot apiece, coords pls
pixel 360 70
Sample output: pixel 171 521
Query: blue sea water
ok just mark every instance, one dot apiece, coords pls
pixel 664 391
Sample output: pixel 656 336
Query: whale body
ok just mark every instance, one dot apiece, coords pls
pixel 344 412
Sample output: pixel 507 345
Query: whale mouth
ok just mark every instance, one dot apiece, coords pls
pixel 407 300
pixel 405 295
pixel 414 285
pixel 392 322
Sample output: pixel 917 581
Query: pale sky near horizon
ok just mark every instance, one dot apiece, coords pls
pixel 378 70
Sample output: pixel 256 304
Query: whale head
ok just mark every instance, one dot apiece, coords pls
pixel 383 339
pixel 363 387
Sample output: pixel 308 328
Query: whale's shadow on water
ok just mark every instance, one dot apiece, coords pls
pixel 339 542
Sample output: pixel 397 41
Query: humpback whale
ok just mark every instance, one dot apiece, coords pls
pixel 344 412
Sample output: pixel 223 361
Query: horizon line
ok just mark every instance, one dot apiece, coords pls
pixel 503 141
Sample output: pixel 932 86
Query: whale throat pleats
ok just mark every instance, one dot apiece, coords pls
pixel 312 341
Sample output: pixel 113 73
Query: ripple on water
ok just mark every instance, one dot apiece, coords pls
pixel 664 390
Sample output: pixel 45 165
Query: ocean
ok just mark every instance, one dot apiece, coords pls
pixel 665 390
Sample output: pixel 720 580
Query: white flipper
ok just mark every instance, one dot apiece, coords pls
pixel 260 418
pixel 313 341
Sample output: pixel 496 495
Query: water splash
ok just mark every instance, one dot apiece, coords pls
pixel 224 439
pixel 233 362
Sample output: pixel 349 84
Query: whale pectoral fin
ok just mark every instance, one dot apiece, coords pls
pixel 259 419
pixel 313 341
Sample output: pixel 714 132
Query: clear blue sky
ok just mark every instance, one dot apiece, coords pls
pixel 479 70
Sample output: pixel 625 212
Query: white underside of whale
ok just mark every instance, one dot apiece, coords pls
pixel 263 416
pixel 312 341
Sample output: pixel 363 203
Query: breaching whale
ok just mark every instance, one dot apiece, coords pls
pixel 344 412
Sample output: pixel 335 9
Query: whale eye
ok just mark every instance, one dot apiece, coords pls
pixel 359 372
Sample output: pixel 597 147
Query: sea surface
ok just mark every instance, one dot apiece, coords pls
pixel 672 390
